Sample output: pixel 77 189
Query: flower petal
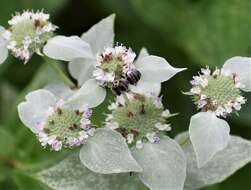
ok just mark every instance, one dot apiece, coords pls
pixel 209 135
pixel 143 87
pixel 90 93
pixel 70 174
pixel 242 67
pixel 67 48
pixel 107 152
pixel 34 109
pixel 81 69
pixel 156 69
pixel 3 49
pixel 221 166
pixel 60 90
pixel 101 35
pixel 163 163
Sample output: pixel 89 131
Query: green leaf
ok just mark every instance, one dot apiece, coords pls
pixel 107 152
pixel 209 31
pixel 225 163
pixel 70 174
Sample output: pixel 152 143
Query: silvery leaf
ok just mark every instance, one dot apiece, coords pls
pixel 107 152
pixel 81 69
pixel 70 174
pixel 90 94
pixel 67 48
pixel 3 49
pixel 224 163
pixel 163 163
pixel 34 110
pixel 101 35
pixel 156 69
pixel 208 135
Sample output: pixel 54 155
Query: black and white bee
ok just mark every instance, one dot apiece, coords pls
pixel 120 86
pixel 133 76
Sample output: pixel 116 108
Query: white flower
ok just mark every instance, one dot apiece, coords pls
pixel 27 34
pixel 56 121
pixel 87 53
pixel 165 113
pixel 163 127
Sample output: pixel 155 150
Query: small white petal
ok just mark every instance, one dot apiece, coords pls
pixel 101 35
pixel 67 48
pixel 33 111
pixel 208 135
pixel 241 66
pixel 107 152
pixel 90 93
pixel 81 69
pixel 156 69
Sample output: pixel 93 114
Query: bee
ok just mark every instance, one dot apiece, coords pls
pixel 133 76
pixel 120 86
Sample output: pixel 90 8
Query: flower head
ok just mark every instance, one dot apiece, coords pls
pixel 138 118
pixel 27 33
pixel 217 91
pixel 93 57
pixel 55 121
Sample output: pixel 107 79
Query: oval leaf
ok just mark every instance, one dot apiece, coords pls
pixel 67 48
pixel 81 69
pixel 101 35
pixel 34 109
pixel 155 69
pixel 90 93
pixel 70 174
pixel 163 163
pixel 107 152
pixel 209 135
pixel 3 49
pixel 221 166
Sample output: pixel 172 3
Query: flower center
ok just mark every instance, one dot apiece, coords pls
pixel 221 90
pixel 139 118
pixel 217 92
pixel 115 69
pixel 28 33
pixel 65 127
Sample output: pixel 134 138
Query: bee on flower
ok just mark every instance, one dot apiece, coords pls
pixel 95 60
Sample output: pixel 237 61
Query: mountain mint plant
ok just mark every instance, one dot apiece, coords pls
pixel 217 94
pixel 132 145
pixel 27 33
pixel 94 58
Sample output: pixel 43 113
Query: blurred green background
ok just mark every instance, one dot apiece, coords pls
pixel 188 33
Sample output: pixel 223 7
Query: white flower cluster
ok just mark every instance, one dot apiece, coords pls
pixel 113 64
pixel 59 138
pixel 139 131
pixel 27 33
pixel 217 91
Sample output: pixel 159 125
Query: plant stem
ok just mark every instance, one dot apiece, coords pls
pixel 59 71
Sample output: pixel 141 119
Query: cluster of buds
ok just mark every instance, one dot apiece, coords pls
pixel 138 118
pixel 65 128
pixel 27 33
pixel 217 91
pixel 115 69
